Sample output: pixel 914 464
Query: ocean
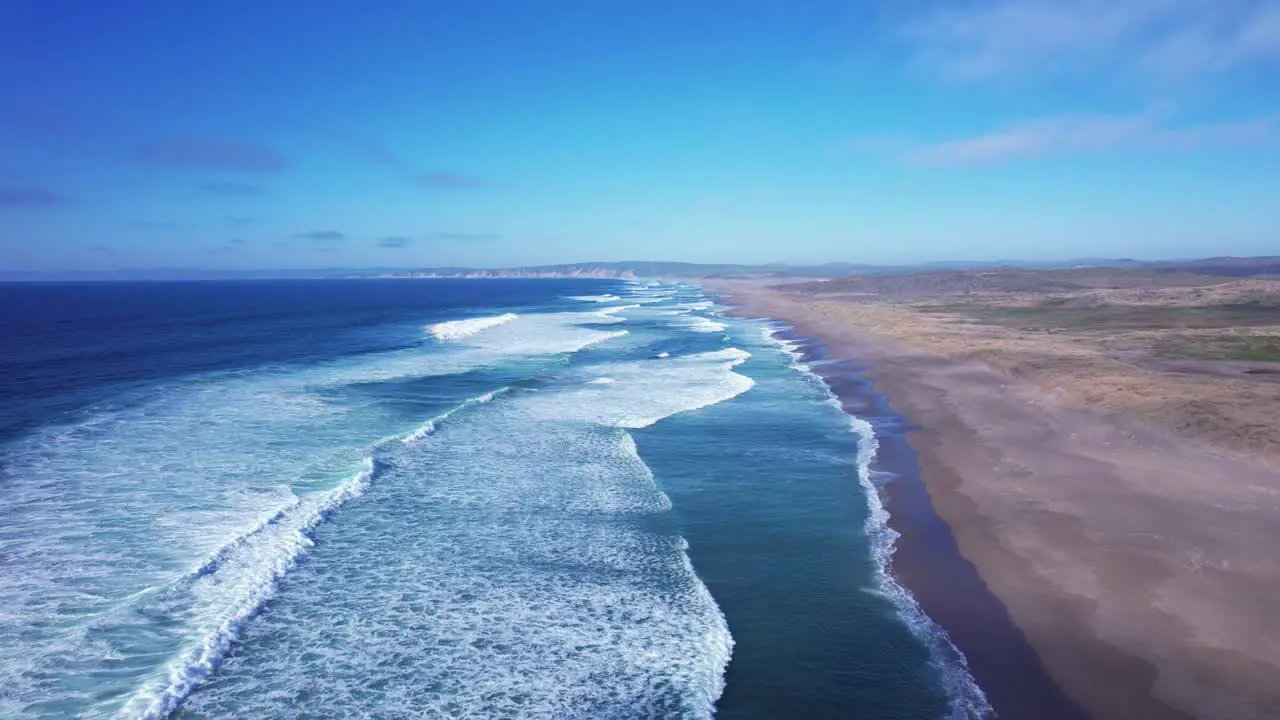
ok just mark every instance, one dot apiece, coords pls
pixel 440 498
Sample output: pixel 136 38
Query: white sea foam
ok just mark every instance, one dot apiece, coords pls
pixel 228 595
pixel 966 698
pixel 596 650
pixel 617 309
pixel 650 294
pixel 502 570
pixel 231 585
pixel 459 329
pixel 547 334
pixel 524 336
pixel 699 305
pixel 491 573
pixel 698 323
pixel 429 426
pixel 643 392
pixel 790 347
pixel 130 515
pixel 103 517
pixel 426 428
pixel 535 609
pixel 158 529
pixel 595 298
pixel 538 603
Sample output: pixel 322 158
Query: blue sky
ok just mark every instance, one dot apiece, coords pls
pixel 272 134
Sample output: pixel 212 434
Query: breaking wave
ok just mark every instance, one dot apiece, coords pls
pixel 459 329
pixel 233 586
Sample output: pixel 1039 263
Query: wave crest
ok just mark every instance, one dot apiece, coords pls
pixel 459 329
pixel 248 569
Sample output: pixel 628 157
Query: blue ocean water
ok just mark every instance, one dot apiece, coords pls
pixel 485 499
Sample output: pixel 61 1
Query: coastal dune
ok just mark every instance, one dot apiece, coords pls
pixel 1139 561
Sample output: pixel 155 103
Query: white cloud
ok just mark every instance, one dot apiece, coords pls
pixel 1079 135
pixel 1050 136
pixel 1175 39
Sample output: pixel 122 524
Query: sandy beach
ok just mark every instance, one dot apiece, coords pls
pixel 1138 561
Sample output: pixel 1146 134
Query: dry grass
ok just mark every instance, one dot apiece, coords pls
pixel 1155 353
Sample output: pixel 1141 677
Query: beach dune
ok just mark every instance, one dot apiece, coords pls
pixel 1142 565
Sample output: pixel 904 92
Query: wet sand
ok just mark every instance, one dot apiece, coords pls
pixel 1141 569
pixel 928 561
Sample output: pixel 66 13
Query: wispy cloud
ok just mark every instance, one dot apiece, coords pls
pixel 211 153
pixel 380 154
pixel 1081 135
pixel 446 180
pixel 394 242
pixel 322 235
pixel 1051 136
pixel 977 41
pixel 233 189
pixel 25 196
pixel 1251 132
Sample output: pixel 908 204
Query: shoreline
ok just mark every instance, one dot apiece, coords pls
pixel 1092 532
pixel 928 563
pixel 926 560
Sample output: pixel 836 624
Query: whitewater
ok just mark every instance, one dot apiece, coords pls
pixel 449 512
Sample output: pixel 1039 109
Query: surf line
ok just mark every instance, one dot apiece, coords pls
pixel 967 701
pixel 290 534
pixel 287 535
pixel 430 425
pixel 459 329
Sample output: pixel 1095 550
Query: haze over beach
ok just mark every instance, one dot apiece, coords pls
pixel 898 360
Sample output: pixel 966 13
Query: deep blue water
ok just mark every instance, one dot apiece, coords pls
pixel 488 499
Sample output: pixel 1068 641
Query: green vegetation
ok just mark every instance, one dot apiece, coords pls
pixel 1257 349
pixel 1058 315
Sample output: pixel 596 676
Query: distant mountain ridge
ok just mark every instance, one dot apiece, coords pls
pixel 642 268
pixel 622 269
pixel 1229 266
pixel 648 268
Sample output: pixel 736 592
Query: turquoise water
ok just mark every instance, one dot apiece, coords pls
pixel 533 499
